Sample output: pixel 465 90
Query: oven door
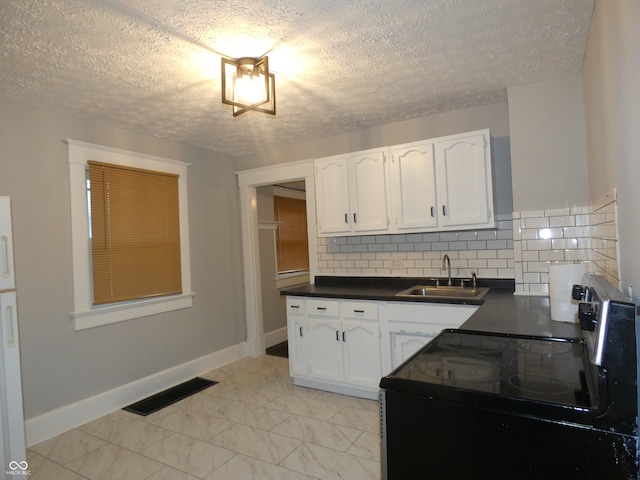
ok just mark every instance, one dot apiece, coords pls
pixel 425 437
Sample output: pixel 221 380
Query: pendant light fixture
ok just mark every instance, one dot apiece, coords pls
pixel 248 85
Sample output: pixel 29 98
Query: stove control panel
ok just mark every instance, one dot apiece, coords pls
pixel 602 308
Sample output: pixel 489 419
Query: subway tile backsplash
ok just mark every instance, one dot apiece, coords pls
pixel 489 253
pixel 542 237
pixel 604 238
pixel 576 234
pixel 522 247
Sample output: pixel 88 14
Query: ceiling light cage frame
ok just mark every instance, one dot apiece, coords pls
pixel 256 68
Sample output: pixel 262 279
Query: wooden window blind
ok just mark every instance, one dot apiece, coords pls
pixel 291 235
pixel 135 230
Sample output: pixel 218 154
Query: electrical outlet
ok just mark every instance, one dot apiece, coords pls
pixel 396 263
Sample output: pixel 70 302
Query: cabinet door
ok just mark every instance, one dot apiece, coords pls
pixel 11 410
pixel 413 187
pixel 368 191
pixel 407 326
pixel 464 181
pixel 405 344
pixel 7 276
pixel 325 349
pixel 361 349
pixel 332 195
pixel 297 337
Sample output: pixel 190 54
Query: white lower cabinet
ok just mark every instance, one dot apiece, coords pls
pixel 339 349
pixel 325 349
pixel 407 342
pixel 346 346
pixel 297 336
pixel 361 339
pixel 408 326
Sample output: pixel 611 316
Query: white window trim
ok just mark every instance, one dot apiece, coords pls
pixel 86 315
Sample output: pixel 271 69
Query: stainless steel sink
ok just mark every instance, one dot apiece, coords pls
pixel 450 292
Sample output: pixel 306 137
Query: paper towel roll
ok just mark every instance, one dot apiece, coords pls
pixel 562 276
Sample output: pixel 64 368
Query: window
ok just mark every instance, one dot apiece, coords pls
pixel 291 234
pixel 135 233
pixel 132 258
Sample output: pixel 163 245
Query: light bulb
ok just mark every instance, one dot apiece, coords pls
pixel 249 90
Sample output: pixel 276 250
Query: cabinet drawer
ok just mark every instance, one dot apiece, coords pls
pixel 325 308
pixel 444 315
pixel 295 305
pixel 364 310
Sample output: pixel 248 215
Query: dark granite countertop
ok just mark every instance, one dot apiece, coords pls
pixel 500 310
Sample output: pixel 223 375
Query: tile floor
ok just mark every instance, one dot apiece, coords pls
pixel 254 424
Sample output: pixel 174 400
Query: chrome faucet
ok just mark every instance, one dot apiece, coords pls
pixel 474 279
pixel 446 260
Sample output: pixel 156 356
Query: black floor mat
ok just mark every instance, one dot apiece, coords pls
pixel 280 350
pixel 169 396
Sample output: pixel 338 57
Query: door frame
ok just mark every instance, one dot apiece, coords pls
pixel 248 181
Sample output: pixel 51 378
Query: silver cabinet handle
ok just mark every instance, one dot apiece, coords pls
pixel 358 311
pixel 355 219
pixel 321 308
pixel 9 332
pixel 343 336
pixel 6 266
pixel 444 210
pixel 433 211
pixel 337 335
pixel 346 218
pixel 301 332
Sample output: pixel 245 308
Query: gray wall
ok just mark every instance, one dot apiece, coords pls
pixel 274 310
pixel 495 117
pixel 61 366
pixel 611 76
pixel 548 148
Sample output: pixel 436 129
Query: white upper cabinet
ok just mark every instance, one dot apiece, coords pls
pixel 332 195
pixel 368 187
pixel 413 187
pixel 351 193
pixel 439 184
pixel 464 181
pixel 442 184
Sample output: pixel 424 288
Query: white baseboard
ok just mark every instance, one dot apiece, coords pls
pixel 50 424
pixel 361 392
pixel 275 337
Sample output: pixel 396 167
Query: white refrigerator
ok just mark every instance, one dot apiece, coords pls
pixel 13 457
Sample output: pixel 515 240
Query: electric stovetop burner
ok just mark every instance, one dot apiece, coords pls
pixel 522 367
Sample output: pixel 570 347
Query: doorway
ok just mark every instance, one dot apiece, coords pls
pixel 249 181
pixel 284 253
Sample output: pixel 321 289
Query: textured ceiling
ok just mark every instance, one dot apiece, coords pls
pixel 153 66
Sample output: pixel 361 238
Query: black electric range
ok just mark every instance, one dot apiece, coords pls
pixel 475 404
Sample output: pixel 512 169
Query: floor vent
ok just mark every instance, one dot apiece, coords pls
pixel 169 396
